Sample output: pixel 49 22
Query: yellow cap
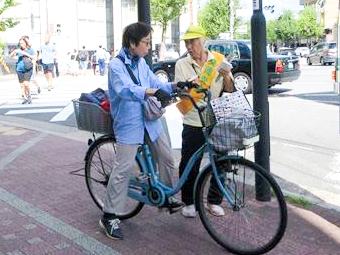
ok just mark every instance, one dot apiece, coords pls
pixel 194 32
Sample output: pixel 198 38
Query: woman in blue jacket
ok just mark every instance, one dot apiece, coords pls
pixel 24 71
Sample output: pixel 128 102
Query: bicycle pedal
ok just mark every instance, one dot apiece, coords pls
pixel 142 178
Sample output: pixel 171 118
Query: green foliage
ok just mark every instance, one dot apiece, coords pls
pixel 163 11
pixel 270 30
pixel 215 17
pixel 300 201
pixel 289 29
pixel 286 29
pixel 307 25
pixel 6 23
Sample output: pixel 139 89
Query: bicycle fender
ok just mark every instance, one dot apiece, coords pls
pixel 94 144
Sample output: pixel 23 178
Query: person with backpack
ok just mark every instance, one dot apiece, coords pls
pixel 83 60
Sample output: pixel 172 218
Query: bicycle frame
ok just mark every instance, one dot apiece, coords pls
pixel 149 174
pixel 145 161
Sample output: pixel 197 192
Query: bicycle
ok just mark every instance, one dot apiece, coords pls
pixel 252 199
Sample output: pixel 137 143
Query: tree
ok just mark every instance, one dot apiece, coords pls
pixel 215 17
pixel 8 22
pixel 163 11
pixel 286 28
pixel 307 24
pixel 271 30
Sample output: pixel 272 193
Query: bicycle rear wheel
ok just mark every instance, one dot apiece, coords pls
pixel 255 215
pixel 98 167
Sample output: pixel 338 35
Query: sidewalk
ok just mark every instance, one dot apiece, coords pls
pixel 46 210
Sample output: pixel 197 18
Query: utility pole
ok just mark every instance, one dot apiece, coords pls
pixel 231 5
pixel 144 16
pixel 260 93
pixel 109 26
pixel 47 23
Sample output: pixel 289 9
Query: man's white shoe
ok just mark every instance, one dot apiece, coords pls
pixel 189 211
pixel 215 210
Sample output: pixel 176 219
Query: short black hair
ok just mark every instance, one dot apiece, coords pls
pixel 134 32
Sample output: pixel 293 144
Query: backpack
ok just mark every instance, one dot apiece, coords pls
pixel 82 55
pixel 98 96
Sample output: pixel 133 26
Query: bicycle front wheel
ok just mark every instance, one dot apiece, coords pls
pixel 255 212
pixel 98 167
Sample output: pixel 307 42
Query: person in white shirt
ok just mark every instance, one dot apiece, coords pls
pixel 101 57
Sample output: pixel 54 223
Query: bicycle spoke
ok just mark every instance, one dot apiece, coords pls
pixel 245 215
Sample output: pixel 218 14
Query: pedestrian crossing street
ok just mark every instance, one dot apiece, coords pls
pixel 57 103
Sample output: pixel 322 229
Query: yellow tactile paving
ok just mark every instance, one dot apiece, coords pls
pixel 8 130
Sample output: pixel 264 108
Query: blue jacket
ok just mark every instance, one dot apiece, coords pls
pixel 126 99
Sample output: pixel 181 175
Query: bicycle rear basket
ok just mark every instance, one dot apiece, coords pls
pixel 91 117
pixel 235 131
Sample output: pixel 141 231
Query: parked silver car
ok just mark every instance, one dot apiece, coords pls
pixel 322 53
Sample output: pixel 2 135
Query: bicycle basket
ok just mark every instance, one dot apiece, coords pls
pixel 236 130
pixel 91 117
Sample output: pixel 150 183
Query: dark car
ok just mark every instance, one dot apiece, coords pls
pixel 281 68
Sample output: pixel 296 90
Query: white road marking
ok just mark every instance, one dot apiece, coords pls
pixel 14 112
pixel 64 114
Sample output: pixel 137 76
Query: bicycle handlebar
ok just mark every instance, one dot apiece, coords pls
pixel 185 93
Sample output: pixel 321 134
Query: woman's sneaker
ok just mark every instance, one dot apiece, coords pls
pixel 111 228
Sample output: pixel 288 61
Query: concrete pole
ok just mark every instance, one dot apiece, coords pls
pixel 231 5
pixel 260 93
pixel 109 25
pixel 144 16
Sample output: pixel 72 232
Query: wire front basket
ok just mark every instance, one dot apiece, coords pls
pixel 234 129
pixel 91 117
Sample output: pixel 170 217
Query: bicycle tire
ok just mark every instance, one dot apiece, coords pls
pixel 98 167
pixel 238 231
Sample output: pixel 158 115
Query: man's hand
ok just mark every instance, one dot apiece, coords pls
pixel 163 97
pixel 186 84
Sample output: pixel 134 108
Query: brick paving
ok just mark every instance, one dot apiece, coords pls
pixel 46 210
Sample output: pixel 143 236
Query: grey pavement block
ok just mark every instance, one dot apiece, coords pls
pixel 5 222
pixel 62 246
pixel 9 237
pixel 16 252
pixel 30 226
pixel 35 240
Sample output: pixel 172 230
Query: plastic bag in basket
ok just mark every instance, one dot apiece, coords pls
pixel 225 104
pixel 234 130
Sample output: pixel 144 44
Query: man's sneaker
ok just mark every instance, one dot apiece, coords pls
pixel 189 211
pixel 111 228
pixel 25 101
pixel 215 210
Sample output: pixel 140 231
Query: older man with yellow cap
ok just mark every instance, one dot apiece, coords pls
pixel 201 65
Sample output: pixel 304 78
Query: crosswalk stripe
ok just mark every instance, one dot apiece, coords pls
pixel 64 114
pixel 14 112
